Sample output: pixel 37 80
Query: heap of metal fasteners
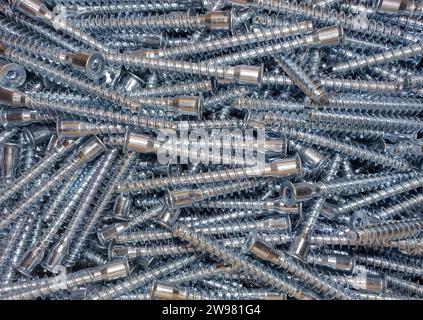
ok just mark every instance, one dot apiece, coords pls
pixel 326 206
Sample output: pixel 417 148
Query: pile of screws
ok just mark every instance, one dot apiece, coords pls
pixel 211 149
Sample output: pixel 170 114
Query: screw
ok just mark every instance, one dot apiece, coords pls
pixel 389 230
pixel 167 291
pixel 44 286
pixel 303 191
pixel 256 36
pixel 277 168
pixel 266 252
pixel 77 10
pixel 37 10
pixel 61 247
pixel 240 262
pixel 88 151
pixel 366 200
pixel 349 149
pixel 301 244
pixel 140 279
pixel 91 64
pixel 378 105
pixel 397 123
pixel 321 15
pixel 268 224
pixel 45 163
pixel 320 38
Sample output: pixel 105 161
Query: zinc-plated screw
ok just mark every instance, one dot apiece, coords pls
pixel 312 88
pixel 258 105
pixel 256 36
pixel 303 191
pixel 241 262
pixel 18 19
pixel 274 205
pixel 351 149
pixel 299 269
pixel 386 230
pixel 35 253
pixel 186 197
pixel 125 286
pixel 218 20
pixel 44 164
pixel 38 11
pixel 44 286
pixel 78 245
pixel 301 243
pixel 267 224
pixel 404 205
pixel 91 64
pixel 87 152
pixel 110 232
pixel 320 38
pixel 393 124
pixel 61 247
pixel 411 268
pixel 320 15
pixel 366 200
pixel 376 105
pixel 65 77
pixel 77 10
pixel 240 74
pixel 379 58
pixel 43 102
pixel 277 168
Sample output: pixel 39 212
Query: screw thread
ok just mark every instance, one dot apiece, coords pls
pixel 270 224
pixel 395 123
pixel 412 268
pixel 76 248
pixel 376 105
pixel 240 262
pixel 123 287
pixel 147 23
pixel 42 29
pixel 356 23
pixel 175 89
pixel 28 176
pixel 247 56
pixel 219 44
pixel 363 86
pixel 237 174
pixel 380 195
pixel 389 230
pixel 362 183
pixel 263 105
pixel 379 58
pixel 350 149
pixel 76 10
pixel 405 205
pixel 99 171
pixel 312 88
pixel 67 78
